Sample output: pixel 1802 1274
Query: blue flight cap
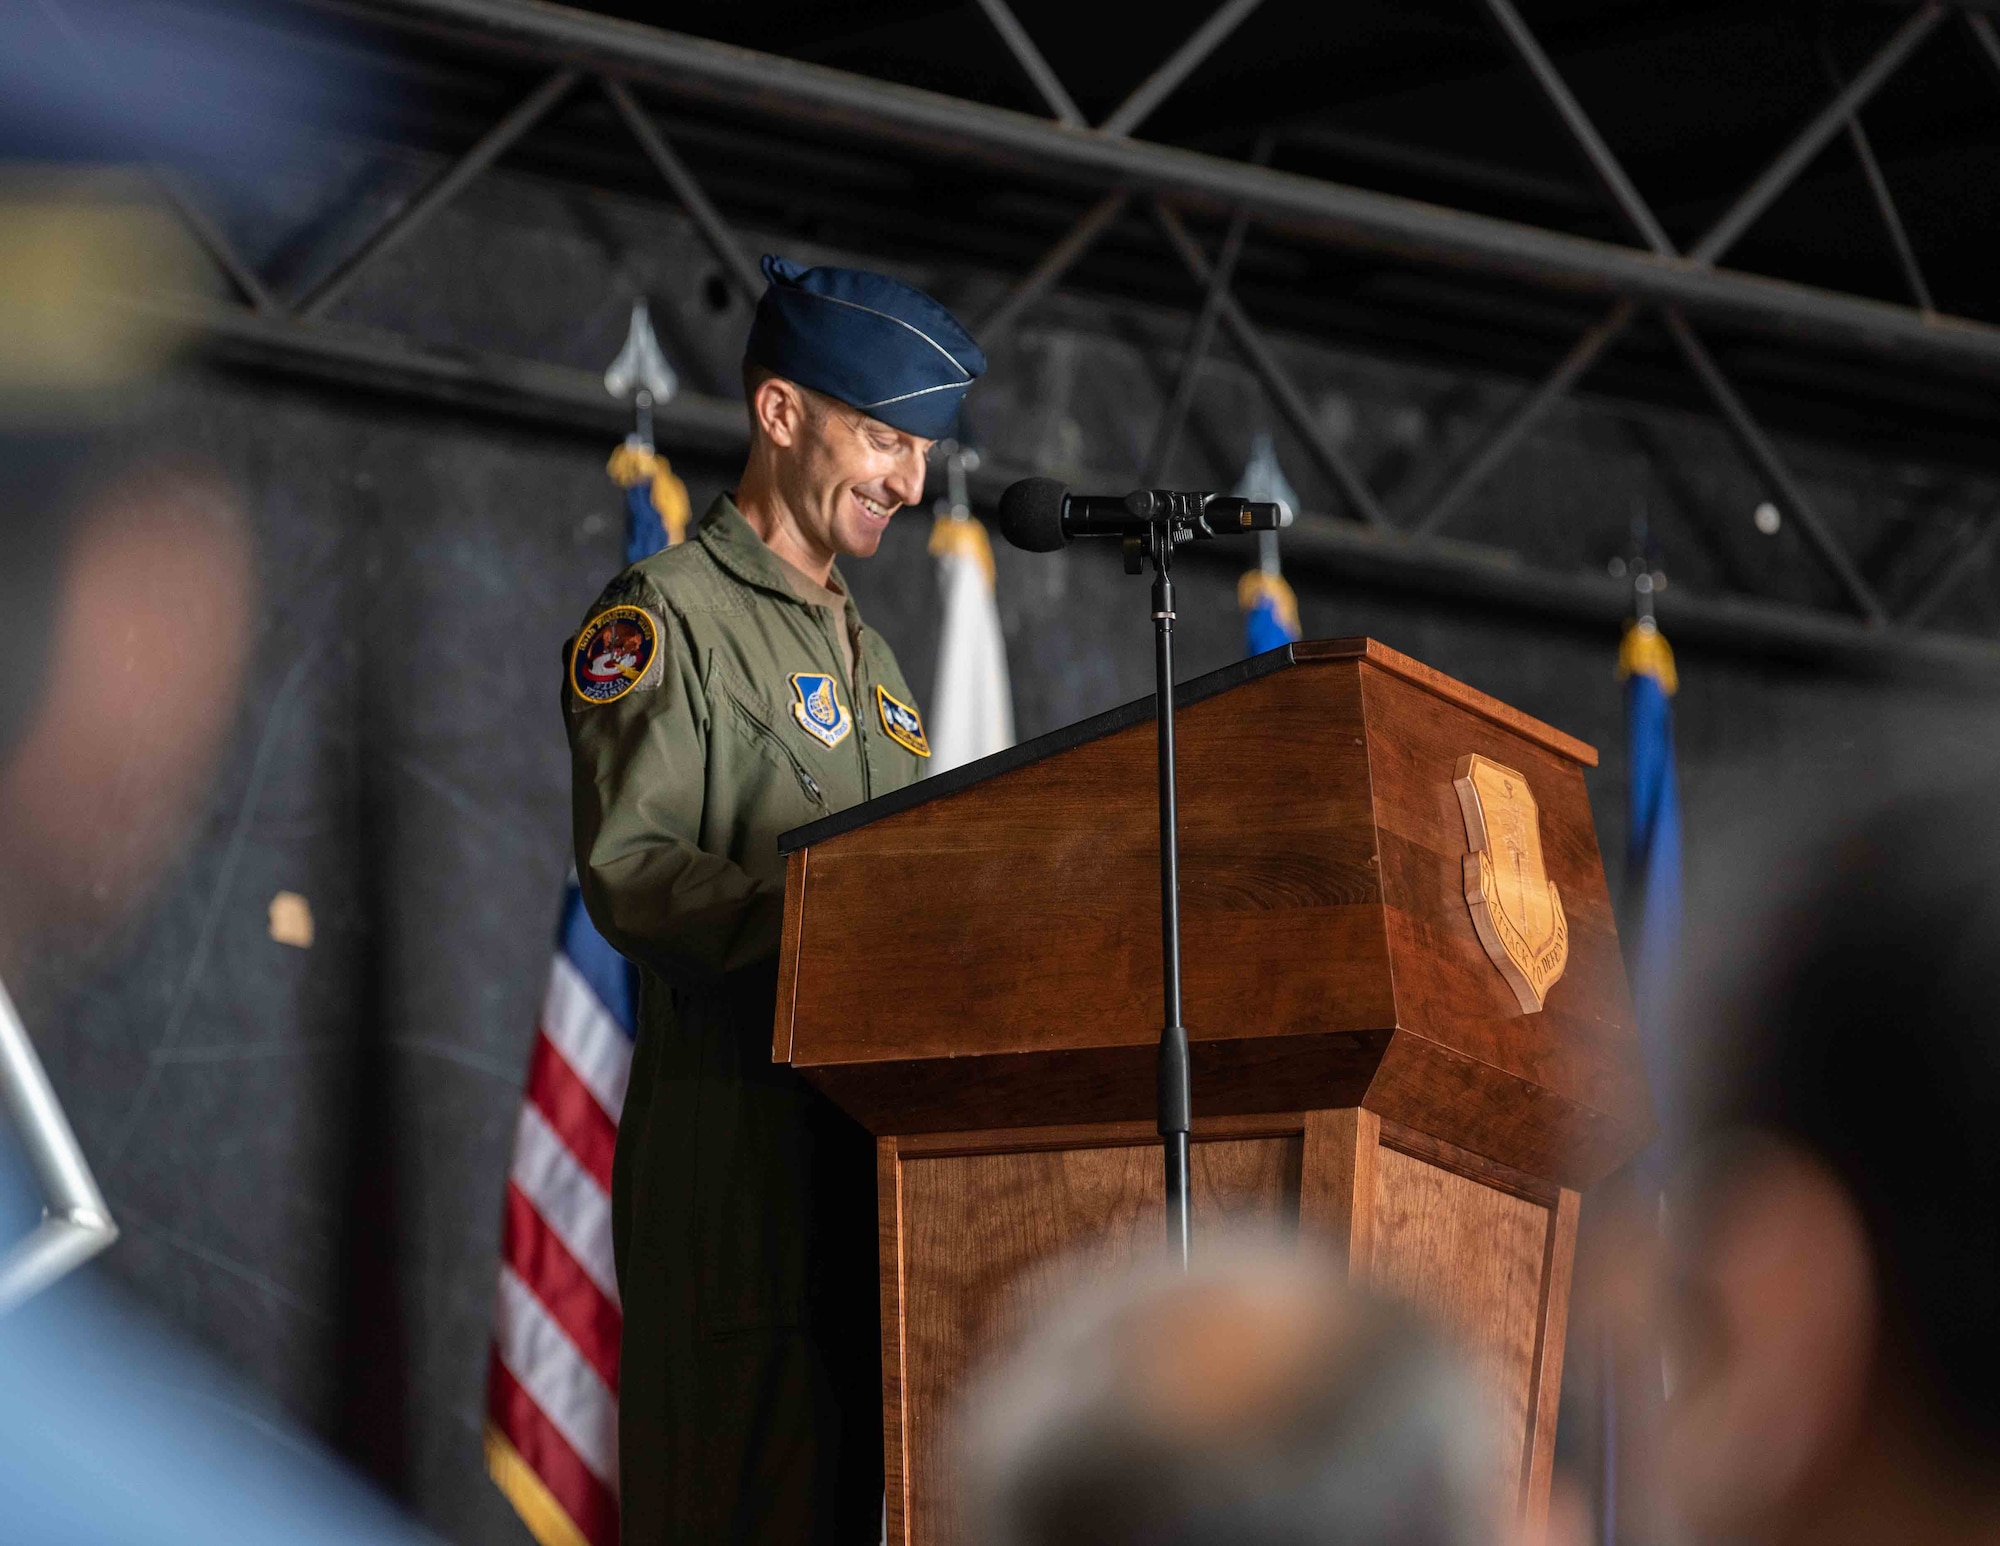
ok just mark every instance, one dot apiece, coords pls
pixel 873 342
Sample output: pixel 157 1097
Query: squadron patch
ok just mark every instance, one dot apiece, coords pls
pixel 818 709
pixel 903 724
pixel 616 651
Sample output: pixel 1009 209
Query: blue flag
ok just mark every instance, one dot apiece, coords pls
pixel 1270 611
pixel 1630 1398
pixel 656 502
pixel 1653 848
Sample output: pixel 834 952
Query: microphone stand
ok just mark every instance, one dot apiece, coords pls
pixel 1176 1101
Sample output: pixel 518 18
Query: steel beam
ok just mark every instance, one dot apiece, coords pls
pixel 1782 172
pixel 1988 41
pixel 708 222
pixel 1033 65
pixel 1638 215
pixel 1354 492
pixel 1470 572
pixel 1582 132
pixel 212 240
pixel 1878 188
pixel 1201 338
pixel 558 397
pixel 441 191
pixel 1978 544
pixel 931 123
pixel 1056 262
pixel 1762 455
pixel 1440 166
pixel 561 400
pixel 1081 237
pixel 1625 198
pixel 1179 65
pixel 1531 408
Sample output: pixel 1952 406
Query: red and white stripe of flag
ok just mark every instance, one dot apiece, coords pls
pixel 552 1381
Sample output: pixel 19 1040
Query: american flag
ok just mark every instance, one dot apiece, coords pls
pixel 552 1371
pixel 552 1375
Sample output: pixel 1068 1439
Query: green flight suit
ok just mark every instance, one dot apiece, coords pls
pixel 743 1201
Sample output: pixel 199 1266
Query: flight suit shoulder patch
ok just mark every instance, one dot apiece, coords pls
pixel 901 723
pixel 817 707
pixel 616 652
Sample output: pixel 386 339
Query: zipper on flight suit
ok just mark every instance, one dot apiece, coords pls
pixel 806 781
pixel 830 619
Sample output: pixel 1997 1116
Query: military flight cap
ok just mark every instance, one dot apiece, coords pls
pixel 873 342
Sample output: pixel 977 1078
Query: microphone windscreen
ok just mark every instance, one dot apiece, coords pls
pixel 1031 514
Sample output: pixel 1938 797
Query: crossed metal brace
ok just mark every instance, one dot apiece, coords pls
pixel 1219 305
pixel 1220 308
pixel 448 184
pixel 1637 215
pixel 1974 541
pixel 1840 115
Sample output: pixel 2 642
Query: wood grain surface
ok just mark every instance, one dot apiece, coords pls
pixel 976 978
pixel 1538 1458
pixel 894 1270
pixel 987 1239
pixel 788 955
pixel 1561 1092
pixel 982 1230
pixel 1031 901
pixel 1453 691
pixel 1097 1084
pixel 1337 1182
pixel 990 958
pixel 1471 1258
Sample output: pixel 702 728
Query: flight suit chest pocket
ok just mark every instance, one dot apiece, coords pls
pixel 761 766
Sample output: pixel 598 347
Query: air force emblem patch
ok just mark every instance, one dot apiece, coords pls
pixel 615 653
pixel 903 724
pixel 818 709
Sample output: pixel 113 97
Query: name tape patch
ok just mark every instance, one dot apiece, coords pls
pixel 901 723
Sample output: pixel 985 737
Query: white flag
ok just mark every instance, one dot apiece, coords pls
pixel 972 706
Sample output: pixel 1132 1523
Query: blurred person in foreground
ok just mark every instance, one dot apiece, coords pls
pixel 1256 1401
pixel 127 615
pixel 1834 1306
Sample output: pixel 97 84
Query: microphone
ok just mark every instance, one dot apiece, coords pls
pixel 1041 514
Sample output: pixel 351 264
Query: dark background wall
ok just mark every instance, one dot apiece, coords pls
pixel 307 1147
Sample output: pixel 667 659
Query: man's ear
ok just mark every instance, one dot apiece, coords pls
pixel 1771 1392
pixel 779 409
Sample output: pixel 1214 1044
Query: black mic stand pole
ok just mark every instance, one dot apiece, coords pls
pixel 1175 1099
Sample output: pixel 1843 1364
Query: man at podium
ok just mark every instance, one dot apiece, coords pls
pixel 719 693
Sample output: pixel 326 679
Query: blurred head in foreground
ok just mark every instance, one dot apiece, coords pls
pixel 1836 1353
pixel 126 581
pixel 1256 1400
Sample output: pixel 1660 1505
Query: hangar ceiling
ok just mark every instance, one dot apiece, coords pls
pixel 1780 214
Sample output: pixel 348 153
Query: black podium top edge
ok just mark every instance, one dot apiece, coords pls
pixel 1126 715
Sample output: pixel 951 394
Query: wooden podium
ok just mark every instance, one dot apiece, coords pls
pixel 971 967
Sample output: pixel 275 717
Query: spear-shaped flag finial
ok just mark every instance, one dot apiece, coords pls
pixel 641 371
pixel 656 501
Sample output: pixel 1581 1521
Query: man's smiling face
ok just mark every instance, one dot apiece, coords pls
pixel 851 473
